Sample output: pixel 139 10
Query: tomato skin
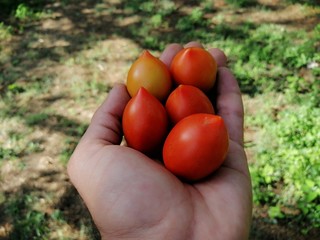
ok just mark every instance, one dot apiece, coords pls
pixel 144 122
pixel 152 74
pixel 196 146
pixel 194 66
pixel 186 100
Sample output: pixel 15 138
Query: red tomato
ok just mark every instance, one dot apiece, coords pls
pixel 145 122
pixel 186 100
pixel 196 146
pixel 152 74
pixel 194 66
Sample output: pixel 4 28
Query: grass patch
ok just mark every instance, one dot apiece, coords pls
pixel 267 59
pixel 265 62
pixel 36 118
pixel 5 32
pixel 286 170
pixel 66 152
pixel 27 222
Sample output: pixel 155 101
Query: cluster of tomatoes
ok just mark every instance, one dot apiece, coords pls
pixel 170 112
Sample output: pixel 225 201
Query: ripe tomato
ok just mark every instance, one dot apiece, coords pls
pixel 152 74
pixel 186 100
pixel 194 66
pixel 196 146
pixel 144 122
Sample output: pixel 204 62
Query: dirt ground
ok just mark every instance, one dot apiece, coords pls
pixel 82 53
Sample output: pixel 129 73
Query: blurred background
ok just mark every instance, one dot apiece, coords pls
pixel 58 60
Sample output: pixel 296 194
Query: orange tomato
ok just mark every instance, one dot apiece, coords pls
pixel 194 66
pixel 152 74
pixel 196 146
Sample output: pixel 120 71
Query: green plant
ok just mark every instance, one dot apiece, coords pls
pixel 192 21
pixel 5 32
pixel 69 146
pixel 8 153
pixel 23 11
pixel 28 223
pixel 36 118
pixel 265 62
pixel 286 174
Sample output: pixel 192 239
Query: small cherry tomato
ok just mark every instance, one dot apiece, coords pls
pixel 194 66
pixel 196 146
pixel 186 100
pixel 144 122
pixel 152 74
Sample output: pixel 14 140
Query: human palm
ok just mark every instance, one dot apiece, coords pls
pixel 132 196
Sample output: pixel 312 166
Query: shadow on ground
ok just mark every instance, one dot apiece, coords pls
pixel 74 26
pixel 78 26
pixel 30 218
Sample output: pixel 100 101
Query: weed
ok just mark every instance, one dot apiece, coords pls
pixel 8 153
pixel 24 13
pixel 65 154
pixel 36 118
pixel 192 21
pixel 28 223
pixel 292 162
pixel 5 32
pixel 264 62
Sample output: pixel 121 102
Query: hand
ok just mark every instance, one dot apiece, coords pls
pixel 133 197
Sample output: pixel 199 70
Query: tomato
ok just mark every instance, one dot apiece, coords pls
pixel 152 74
pixel 186 100
pixel 194 66
pixel 196 146
pixel 144 122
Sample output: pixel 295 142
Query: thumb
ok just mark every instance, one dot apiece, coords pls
pixel 105 126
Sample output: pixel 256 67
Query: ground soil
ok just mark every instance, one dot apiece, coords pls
pixel 60 42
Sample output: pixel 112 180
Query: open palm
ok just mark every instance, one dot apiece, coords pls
pixel 130 196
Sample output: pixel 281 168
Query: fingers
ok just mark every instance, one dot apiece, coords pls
pixel 106 125
pixel 227 97
pixel 219 56
pixel 193 44
pixel 229 104
pixel 169 53
pixel 172 49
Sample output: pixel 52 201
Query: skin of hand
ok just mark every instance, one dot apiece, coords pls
pixel 131 196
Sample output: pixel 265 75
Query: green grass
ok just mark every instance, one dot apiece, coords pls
pixel 5 31
pixel 28 223
pixel 270 60
pixel 286 170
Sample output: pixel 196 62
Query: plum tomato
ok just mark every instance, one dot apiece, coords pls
pixel 194 66
pixel 186 100
pixel 152 74
pixel 196 146
pixel 145 122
